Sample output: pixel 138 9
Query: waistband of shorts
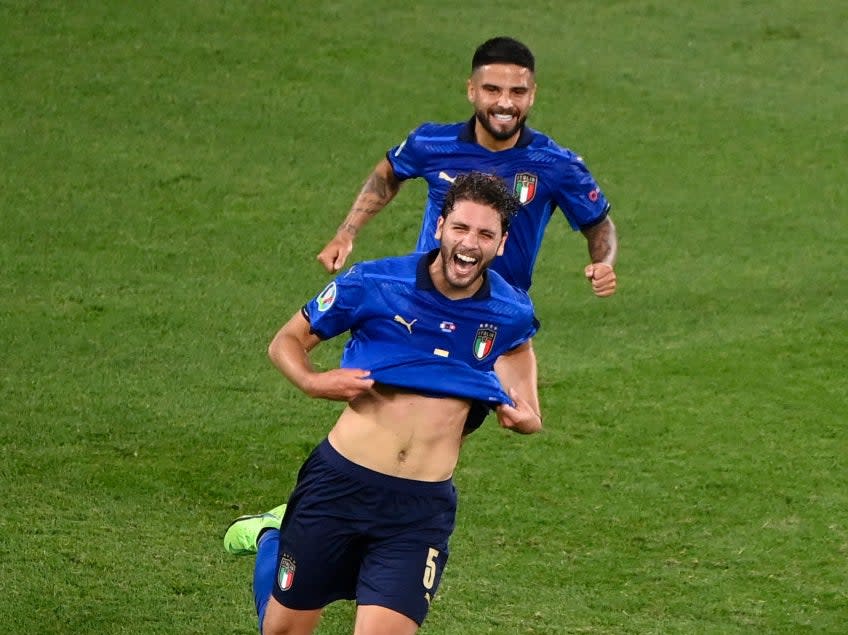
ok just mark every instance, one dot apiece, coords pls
pixel 377 479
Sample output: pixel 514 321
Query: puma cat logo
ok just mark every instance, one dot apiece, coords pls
pixel 408 325
pixel 447 177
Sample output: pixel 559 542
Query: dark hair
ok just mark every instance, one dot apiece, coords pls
pixel 485 189
pixel 503 50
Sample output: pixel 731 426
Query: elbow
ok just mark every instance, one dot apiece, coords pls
pixel 275 350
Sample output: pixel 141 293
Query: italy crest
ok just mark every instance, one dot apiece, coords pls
pixel 285 574
pixel 484 340
pixel 524 187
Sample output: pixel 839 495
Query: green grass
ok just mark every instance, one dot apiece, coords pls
pixel 171 169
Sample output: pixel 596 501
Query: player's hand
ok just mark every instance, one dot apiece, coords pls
pixel 602 277
pixel 339 384
pixel 519 418
pixel 335 253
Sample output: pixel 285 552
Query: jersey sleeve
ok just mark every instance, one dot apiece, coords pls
pixel 525 325
pixel 336 309
pixel 524 334
pixel 407 158
pixel 578 195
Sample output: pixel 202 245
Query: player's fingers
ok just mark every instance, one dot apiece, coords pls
pixel 325 261
pixel 358 373
pixel 602 270
pixel 605 291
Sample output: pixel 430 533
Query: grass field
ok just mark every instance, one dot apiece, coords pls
pixel 169 171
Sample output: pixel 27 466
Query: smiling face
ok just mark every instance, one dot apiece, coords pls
pixel 502 95
pixel 471 235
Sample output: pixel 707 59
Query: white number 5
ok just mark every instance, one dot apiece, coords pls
pixel 430 568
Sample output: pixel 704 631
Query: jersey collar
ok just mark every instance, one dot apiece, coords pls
pixel 425 282
pixel 467 134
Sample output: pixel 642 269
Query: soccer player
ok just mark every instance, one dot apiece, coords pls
pixel 374 505
pixel 496 140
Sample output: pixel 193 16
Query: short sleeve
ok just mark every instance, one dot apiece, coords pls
pixel 406 157
pixel 336 308
pixel 579 196
pixel 526 334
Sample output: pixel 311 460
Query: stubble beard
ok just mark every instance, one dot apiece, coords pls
pixel 500 135
pixel 463 283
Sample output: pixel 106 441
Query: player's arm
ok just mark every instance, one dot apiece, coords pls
pixel 289 351
pixel 602 241
pixel 517 373
pixel 380 187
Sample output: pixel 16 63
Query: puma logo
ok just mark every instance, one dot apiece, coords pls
pixel 408 325
pixel 447 177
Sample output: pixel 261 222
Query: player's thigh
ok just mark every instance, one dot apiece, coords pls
pixel 281 620
pixel 378 620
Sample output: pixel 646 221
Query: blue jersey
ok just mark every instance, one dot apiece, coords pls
pixel 542 174
pixel 409 335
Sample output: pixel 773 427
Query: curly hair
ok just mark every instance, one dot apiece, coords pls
pixel 485 189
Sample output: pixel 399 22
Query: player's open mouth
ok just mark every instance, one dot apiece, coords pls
pixel 464 263
pixel 503 117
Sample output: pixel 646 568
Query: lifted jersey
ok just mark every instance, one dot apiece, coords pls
pixel 409 335
pixel 541 174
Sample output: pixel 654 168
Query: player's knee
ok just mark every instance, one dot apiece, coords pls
pixel 280 620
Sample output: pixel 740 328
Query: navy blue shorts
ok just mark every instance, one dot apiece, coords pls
pixel 352 533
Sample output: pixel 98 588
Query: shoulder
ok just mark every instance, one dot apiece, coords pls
pixel 562 161
pixel 431 133
pixel 542 143
pixel 393 267
pixel 432 128
pixel 502 291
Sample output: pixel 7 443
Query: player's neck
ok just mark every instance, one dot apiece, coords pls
pixel 485 139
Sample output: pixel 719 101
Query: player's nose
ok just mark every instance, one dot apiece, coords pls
pixel 505 100
pixel 470 240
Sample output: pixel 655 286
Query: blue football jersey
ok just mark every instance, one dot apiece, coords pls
pixel 409 335
pixel 542 175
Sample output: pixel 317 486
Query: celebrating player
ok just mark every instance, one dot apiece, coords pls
pixel 496 140
pixel 374 505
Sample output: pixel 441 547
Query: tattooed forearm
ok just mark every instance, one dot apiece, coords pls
pixel 380 188
pixel 349 228
pixel 602 241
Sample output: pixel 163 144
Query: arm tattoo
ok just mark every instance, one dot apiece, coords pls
pixel 374 196
pixel 378 187
pixel 348 227
pixel 602 242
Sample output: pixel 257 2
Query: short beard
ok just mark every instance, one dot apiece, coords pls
pixel 482 265
pixel 483 118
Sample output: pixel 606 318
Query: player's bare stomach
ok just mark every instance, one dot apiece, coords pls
pixel 402 434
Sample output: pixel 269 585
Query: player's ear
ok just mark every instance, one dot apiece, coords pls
pixel 503 244
pixel 469 90
pixel 439 225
